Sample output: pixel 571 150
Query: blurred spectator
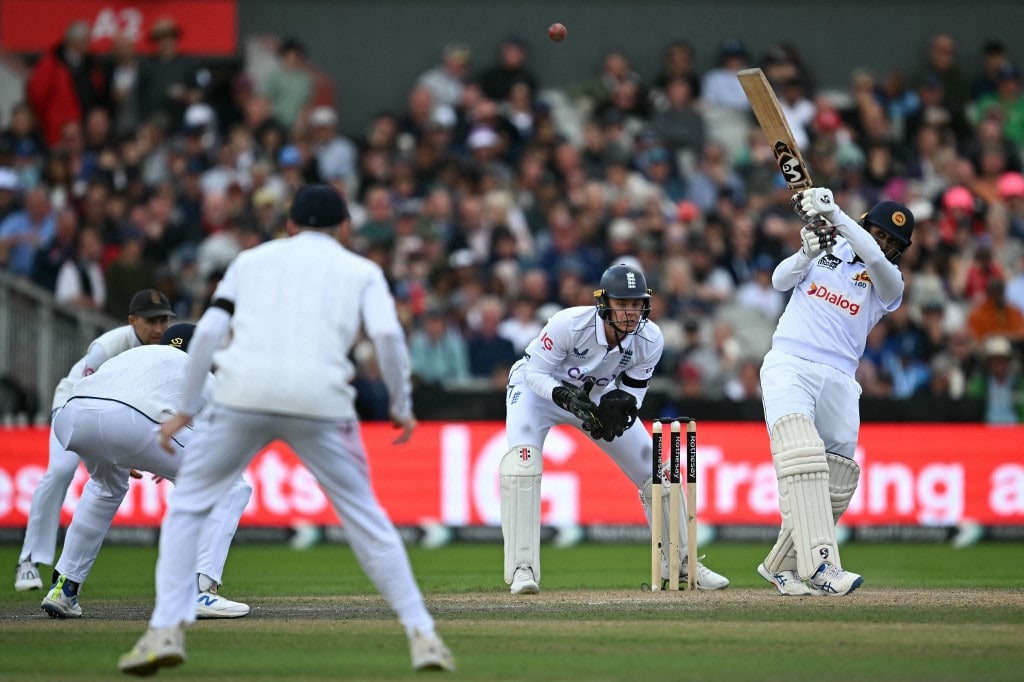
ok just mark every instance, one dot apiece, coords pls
pixel 52 254
pixel 994 56
pixel 10 192
pixel 719 85
pixel 521 325
pixel 80 281
pixel 289 88
pixel 23 232
pixel 372 400
pixel 127 274
pixel 678 61
pixel 994 316
pixel 945 379
pixel 1000 384
pixel 941 61
pixel 124 74
pixel 490 354
pixel 679 123
pixel 437 350
pixel 66 83
pixel 757 294
pixel 746 384
pixel 983 269
pixel 498 80
pixel 446 80
pixel 1011 191
pixel 699 362
pixel 336 155
pixel 169 81
pixel 1008 103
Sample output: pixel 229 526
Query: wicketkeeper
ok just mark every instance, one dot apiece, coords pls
pixel 589 368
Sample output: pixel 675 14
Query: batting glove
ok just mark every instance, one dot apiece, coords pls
pixel 816 202
pixel 816 237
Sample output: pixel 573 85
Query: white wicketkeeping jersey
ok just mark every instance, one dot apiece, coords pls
pixel 573 346
pixel 148 378
pixel 299 304
pixel 113 343
pixel 831 311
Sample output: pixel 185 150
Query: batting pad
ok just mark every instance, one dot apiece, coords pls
pixel 520 472
pixel 645 500
pixel 802 471
pixel 843 476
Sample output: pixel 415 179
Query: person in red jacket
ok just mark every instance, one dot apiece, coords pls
pixel 66 83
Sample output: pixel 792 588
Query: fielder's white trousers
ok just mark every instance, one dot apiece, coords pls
pixel 40 542
pixel 829 397
pixel 225 441
pixel 112 438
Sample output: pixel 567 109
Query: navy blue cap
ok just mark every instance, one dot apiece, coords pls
pixel 318 206
pixel 178 335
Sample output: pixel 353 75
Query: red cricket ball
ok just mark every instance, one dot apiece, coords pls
pixel 557 32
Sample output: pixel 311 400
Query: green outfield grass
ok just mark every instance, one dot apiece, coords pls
pixel 925 612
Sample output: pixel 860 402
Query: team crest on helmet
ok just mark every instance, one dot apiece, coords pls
pixel 899 219
pixel 631 280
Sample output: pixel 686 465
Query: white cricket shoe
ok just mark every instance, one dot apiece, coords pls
pixel 706 578
pixel 26 576
pixel 210 604
pixel 428 652
pixel 157 648
pixel 833 581
pixel 788 583
pixel 62 600
pixel 523 581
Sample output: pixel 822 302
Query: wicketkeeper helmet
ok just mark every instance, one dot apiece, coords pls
pixel 625 282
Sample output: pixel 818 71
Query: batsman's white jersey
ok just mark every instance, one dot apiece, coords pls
pixel 819 341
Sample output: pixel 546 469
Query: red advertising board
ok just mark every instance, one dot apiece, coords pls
pixel 208 27
pixel 912 474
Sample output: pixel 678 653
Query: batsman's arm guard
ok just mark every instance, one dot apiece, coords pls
pixel 520 472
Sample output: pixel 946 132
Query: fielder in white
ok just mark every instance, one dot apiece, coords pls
pixel 149 313
pixel 112 421
pixel 611 348
pixel 844 279
pixel 290 311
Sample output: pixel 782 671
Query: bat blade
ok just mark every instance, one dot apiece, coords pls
pixel 775 127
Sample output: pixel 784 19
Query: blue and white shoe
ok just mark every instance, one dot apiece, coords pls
pixel 788 583
pixel 62 599
pixel 832 581
pixel 210 604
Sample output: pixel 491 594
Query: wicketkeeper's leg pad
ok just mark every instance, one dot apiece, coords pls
pixel 804 501
pixel 520 473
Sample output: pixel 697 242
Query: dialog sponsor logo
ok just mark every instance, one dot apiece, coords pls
pixel 838 300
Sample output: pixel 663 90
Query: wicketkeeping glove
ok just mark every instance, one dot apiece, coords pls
pixel 576 400
pixel 617 413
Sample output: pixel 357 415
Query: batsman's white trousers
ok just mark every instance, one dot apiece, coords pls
pixel 40 542
pixel 112 438
pixel 829 397
pixel 528 418
pixel 225 441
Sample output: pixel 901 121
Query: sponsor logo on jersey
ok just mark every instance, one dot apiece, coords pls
pixel 838 300
pixel 581 373
pixel 580 353
pixel 829 261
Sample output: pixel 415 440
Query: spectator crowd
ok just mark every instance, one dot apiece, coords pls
pixel 491 201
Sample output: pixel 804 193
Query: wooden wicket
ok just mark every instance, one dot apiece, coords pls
pixel 675 501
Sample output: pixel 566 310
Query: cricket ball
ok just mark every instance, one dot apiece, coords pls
pixel 557 32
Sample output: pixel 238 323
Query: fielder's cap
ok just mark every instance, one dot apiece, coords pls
pixel 958 197
pixel 289 156
pixel 178 335
pixel 732 47
pixel 150 303
pixel 323 116
pixel 318 206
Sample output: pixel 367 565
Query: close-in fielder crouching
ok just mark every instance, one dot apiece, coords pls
pixel 112 421
pixel 611 350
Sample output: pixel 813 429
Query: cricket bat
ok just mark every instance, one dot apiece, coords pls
pixel 775 127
